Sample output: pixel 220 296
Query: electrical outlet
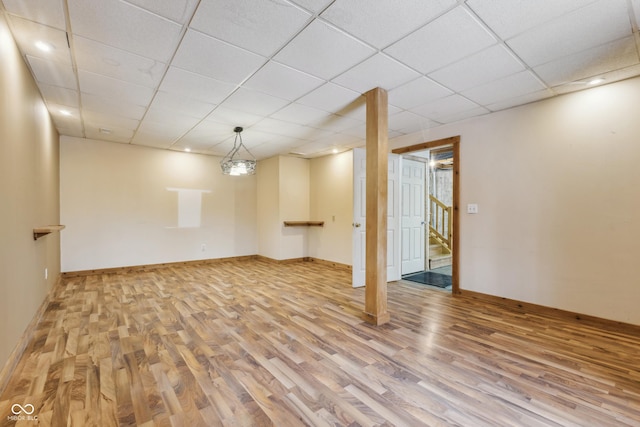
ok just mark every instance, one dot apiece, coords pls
pixel 203 247
pixel 472 208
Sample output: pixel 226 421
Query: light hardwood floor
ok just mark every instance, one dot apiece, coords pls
pixel 252 343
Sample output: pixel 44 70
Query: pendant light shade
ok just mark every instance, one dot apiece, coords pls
pixel 234 163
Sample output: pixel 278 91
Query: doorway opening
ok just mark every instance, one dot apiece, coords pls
pixel 429 230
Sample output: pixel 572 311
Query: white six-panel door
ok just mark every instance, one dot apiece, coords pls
pixel 359 217
pixel 413 216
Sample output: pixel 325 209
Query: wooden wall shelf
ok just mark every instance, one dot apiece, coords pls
pixel 304 223
pixel 44 230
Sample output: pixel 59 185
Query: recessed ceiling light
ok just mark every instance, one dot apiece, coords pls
pixel 188 150
pixel 334 151
pixel 65 112
pixel 44 46
pixel 595 81
pixel 105 131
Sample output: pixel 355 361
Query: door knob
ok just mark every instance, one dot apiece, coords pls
pixel 356 224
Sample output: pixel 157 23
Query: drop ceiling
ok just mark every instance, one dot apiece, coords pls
pixel 178 74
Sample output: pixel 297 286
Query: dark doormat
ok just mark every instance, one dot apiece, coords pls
pixel 429 278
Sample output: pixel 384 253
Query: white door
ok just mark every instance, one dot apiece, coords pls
pixel 359 217
pixel 413 216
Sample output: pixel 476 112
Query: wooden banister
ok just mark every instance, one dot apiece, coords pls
pixel 441 222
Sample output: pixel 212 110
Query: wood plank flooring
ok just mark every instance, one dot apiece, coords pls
pixel 252 343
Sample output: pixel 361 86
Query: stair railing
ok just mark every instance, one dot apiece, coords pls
pixel 440 223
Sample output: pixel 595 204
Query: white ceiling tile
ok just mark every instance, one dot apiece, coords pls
pixel 207 133
pixel 181 104
pixel 330 97
pixel 63 113
pixel 314 6
pixel 442 42
pixel 342 140
pixel 256 25
pixel 599 60
pixel 279 127
pixel 46 12
pixel 169 117
pixel 635 4
pixel 122 49
pixel 463 115
pixel 398 18
pixel 377 71
pixel 179 11
pixel 254 102
pixel 252 138
pixel 233 118
pixel 417 92
pixel 482 67
pixel 192 147
pixel 195 86
pixel 153 139
pixel 126 27
pixel 300 114
pixel 107 87
pixel 271 149
pixel 310 148
pixel 70 120
pixel 521 100
pixel 507 87
pixel 117 63
pixel 282 81
pixel 359 131
pixel 99 120
pixel 221 150
pixel 216 59
pixel 112 106
pixel 510 17
pixel 335 123
pixel 317 134
pixel 114 134
pixel 407 122
pixel 323 51
pixel 59 95
pixel 70 130
pixel 610 77
pixel 27 33
pixel 574 32
pixel 52 73
pixel 158 134
pixel 443 107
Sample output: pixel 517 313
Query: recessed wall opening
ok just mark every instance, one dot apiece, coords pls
pixel 429 213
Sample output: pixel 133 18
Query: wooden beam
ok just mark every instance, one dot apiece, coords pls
pixel 375 306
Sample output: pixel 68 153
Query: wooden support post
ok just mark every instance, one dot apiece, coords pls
pixel 375 306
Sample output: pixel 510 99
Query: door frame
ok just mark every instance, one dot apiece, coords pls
pixel 455 142
pixel 393 240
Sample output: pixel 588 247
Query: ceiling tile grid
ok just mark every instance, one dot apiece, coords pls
pixel 178 74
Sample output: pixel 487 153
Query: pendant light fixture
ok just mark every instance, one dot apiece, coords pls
pixel 233 164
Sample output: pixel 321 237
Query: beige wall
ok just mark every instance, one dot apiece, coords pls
pixel 269 228
pixel 283 195
pixel 294 206
pixel 557 184
pixel 122 206
pixel 29 177
pixel 332 202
